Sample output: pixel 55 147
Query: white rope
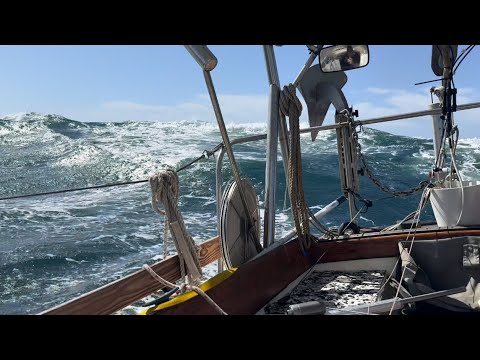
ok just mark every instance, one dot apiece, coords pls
pixel 453 151
pixel 165 237
pixel 158 277
pixel 161 212
pixel 183 287
pixel 423 202
pixel 425 194
pixel 165 190
pixel 208 299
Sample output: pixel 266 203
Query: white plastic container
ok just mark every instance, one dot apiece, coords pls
pixel 447 203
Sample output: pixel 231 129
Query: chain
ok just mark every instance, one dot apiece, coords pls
pixel 368 171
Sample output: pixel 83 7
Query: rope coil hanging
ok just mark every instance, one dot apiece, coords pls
pixel 290 106
pixel 166 190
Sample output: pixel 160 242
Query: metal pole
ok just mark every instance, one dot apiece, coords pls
pixel 277 127
pixel 437 133
pixel 417 114
pixel 318 215
pixel 307 65
pixel 272 71
pixel 364 122
pixel 219 182
pixel 274 79
pixel 385 306
pixel 345 163
pixel 203 56
pixel 228 148
pixel 271 167
pixel 391 118
pixel 275 121
pixel 351 183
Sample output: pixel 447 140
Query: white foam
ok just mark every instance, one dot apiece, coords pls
pixel 83 155
pixel 424 154
pixel 76 261
pixel 15 117
pixel 59 284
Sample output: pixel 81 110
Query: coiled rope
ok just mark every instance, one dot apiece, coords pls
pixel 290 106
pixel 166 190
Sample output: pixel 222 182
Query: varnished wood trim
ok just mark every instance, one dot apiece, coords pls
pixel 379 245
pixel 123 292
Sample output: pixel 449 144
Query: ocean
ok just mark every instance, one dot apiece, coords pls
pixel 54 248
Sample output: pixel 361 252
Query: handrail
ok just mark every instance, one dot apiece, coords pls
pixel 364 122
pixel 393 117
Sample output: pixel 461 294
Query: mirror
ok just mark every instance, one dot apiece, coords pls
pixel 343 57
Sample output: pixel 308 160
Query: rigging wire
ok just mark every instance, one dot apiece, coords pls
pixel 462 57
pixel 205 155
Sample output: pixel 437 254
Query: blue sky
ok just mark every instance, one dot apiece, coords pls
pixel 163 83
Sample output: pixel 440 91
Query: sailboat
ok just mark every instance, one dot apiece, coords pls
pixel 406 267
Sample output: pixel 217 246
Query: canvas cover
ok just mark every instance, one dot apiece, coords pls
pixel 442 264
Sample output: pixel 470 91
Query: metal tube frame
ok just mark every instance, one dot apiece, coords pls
pixel 282 125
pixel 271 167
pixel 275 121
pixel 219 161
pixel 346 165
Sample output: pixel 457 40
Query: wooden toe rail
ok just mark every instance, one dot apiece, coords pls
pixel 123 292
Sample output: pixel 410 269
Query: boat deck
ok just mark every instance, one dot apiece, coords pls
pixel 338 285
pixel 336 289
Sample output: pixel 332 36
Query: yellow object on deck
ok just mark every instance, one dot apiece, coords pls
pixel 207 285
